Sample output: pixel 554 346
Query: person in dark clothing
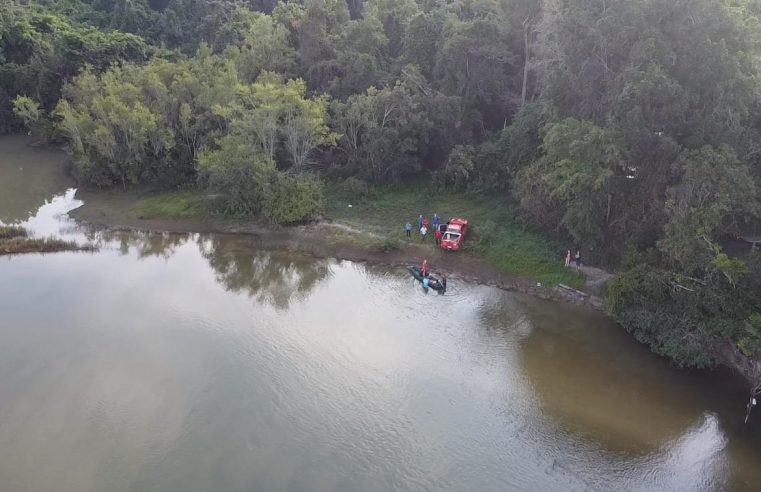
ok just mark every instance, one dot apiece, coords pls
pixel 444 282
pixel 577 259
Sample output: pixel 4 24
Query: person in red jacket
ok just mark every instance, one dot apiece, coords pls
pixel 437 235
pixel 424 268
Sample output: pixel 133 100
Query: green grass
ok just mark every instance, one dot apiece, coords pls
pixel 496 234
pixel 172 205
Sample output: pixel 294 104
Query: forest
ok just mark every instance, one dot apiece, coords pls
pixel 630 127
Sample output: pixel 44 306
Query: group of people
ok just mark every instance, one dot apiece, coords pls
pixel 427 278
pixel 575 260
pixel 423 227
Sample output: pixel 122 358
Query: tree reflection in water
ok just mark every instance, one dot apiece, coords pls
pixel 274 277
pixel 145 244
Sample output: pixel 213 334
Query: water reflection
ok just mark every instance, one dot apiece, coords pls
pixel 269 276
pixel 145 244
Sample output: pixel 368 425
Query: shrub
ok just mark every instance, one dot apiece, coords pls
pixel 240 177
pixel 294 198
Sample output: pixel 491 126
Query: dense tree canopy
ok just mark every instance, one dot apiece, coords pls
pixel 629 127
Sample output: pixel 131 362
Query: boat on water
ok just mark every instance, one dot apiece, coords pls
pixel 433 282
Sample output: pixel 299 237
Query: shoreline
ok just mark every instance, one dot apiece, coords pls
pixel 325 239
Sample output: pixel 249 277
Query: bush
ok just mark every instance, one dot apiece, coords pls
pixel 294 198
pixel 240 177
pixel 387 244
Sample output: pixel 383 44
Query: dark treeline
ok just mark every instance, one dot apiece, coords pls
pixel 630 127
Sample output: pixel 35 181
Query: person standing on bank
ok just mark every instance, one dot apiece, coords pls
pixel 436 221
pixel 408 230
pixel 420 221
pixel 437 235
pixel 568 259
pixel 423 231
pixel 577 260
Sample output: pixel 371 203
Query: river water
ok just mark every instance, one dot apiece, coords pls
pixel 205 363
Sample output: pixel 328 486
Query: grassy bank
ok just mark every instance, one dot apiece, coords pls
pixel 496 235
pixel 375 223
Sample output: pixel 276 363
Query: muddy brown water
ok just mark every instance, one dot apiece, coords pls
pixel 203 362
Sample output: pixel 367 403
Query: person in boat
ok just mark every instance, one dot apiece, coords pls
pixel 424 268
pixel 426 281
pixel 444 282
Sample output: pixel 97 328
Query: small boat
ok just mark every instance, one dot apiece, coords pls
pixel 433 282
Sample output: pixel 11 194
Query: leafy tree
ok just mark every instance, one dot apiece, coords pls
pixel 256 42
pixel 575 179
pixel 39 51
pixel 238 174
pixel 459 169
pixel 383 131
pixel 715 191
pixel 133 124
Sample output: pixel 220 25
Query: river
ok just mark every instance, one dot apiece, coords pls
pixel 202 362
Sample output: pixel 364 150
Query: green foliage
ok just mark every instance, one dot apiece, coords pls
pixel 171 205
pixel 382 130
pixel 40 50
pixel 716 189
pixel 238 174
pixel 294 199
pixel 574 181
pixel 750 340
pixel 686 318
pixel 277 113
pixel 257 43
pixel 458 171
pixel 355 189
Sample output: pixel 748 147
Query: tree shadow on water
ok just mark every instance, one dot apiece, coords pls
pixel 272 277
